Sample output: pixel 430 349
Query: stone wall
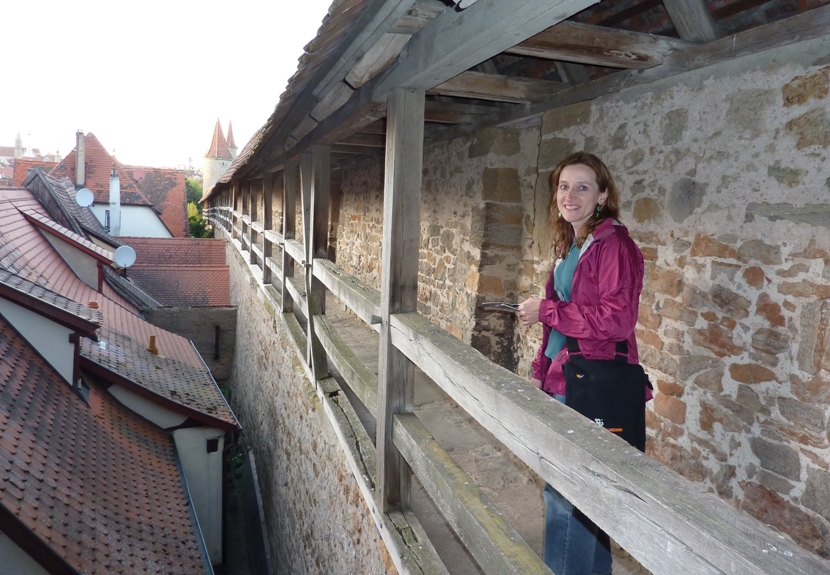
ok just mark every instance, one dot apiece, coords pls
pixel 724 177
pixel 317 520
pixel 199 325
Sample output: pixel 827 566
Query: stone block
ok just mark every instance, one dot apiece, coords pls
pixel 817 215
pixel 503 225
pixel 711 379
pixel 770 341
pixel 647 210
pixel 619 141
pixel 497 141
pixel 712 412
pixel 790 177
pixel 750 373
pixel 560 119
pixel 769 310
pixel 757 250
pixel 754 276
pixel 780 459
pixel 729 302
pixel 707 246
pixel 634 158
pixel 501 185
pixel 648 318
pixel 768 507
pixel 805 289
pixel 663 280
pixel 810 129
pixel 649 253
pixel 805 416
pixel 748 111
pixel 817 492
pixel 716 339
pixel 692 364
pixel 793 271
pixel 802 89
pixel 671 309
pixel 671 408
pixel 673 124
pixel 728 270
pixel 671 388
pixel 649 337
pixel 813 390
pixel 554 150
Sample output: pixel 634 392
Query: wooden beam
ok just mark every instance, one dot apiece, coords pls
pixel 457 112
pixel 254 204
pixel 692 20
pixel 267 224
pixel 359 297
pixel 377 59
pixel 421 12
pixel 598 46
pixel 799 28
pixel 497 88
pixel 291 183
pixel 399 283
pixel 635 499
pixel 374 140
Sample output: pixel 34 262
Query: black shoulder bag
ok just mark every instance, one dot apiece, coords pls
pixel 611 392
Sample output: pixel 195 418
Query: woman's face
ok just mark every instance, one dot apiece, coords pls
pixel 578 195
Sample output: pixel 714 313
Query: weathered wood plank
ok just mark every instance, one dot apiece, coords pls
pixel 360 379
pixel 497 88
pixel 417 17
pixel 257 227
pixel 360 298
pixel 666 522
pixel 457 113
pixel 799 28
pixel 295 250
pixel 316 220
pixel 291 183
pixel 275 238
pixel 599 46
pixel 373 140
pixel 338 95
pixel 377 59
pixel 399 282
pixel 267 224
pixel 275 268
pixel 495 545
pixel 692 20
pixel 296 289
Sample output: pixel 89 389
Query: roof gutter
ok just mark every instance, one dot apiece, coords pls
pixel 200 539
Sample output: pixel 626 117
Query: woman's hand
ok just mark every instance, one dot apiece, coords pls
pixel 537 383
pixel 529 311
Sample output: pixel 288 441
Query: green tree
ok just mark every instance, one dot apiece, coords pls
pixel 194 192
pixel 198 227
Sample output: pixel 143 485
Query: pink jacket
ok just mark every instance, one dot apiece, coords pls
pixel 603 309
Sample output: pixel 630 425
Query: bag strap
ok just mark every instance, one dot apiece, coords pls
pixel 620 350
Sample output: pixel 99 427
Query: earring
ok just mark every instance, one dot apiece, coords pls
pixel 599 210
pixel 560 214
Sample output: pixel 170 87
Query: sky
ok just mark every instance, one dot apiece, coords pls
pixel 148 78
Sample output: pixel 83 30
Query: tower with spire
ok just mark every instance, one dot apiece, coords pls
pixel 218 158
pixel 231 144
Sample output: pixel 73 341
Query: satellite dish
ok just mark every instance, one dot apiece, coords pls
pixel 84 197
pixel 124 256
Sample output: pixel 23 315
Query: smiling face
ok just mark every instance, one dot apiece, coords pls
pixel 578 194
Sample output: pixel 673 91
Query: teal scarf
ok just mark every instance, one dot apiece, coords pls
pixel 563 279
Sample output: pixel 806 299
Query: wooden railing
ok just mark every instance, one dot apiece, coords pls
pixel 669 524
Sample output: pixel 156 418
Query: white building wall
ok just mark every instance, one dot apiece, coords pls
pixel 15 561
pixel 213 169
pixel 48 338
pixel 84 265
pixel 162 417
pixel 203 472
pixel 138 221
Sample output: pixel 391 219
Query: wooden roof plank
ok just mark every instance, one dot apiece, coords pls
pixel 377 59
pixel 692 20
pixel 498 88
pixel 599 46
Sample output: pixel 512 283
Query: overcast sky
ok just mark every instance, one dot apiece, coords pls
pixel 148 78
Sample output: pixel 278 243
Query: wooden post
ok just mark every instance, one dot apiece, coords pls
pixel 692 20
pixel 309 165
pixel 234 201
pixel 320 198
pixel 267 224
pixel 399 282
pixel 291 182
pixel 253 237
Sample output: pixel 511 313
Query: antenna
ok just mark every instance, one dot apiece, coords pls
pixel 84 197
pixel 124 256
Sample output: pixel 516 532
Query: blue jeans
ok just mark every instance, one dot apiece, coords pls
pixel 574 545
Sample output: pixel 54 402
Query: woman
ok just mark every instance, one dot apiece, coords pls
pixel 592 295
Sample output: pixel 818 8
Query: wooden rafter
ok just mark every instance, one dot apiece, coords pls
pixel 599 46
pixel 692 20
pixel 497 88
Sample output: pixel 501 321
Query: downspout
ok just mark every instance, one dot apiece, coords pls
pixel 200 539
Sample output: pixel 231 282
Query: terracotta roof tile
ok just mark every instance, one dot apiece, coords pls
pixel 22 167
pixel 167 191
pixel 218 145
pixel 231 143
pixel 96 483
pixel 98 166
pixel 177 251
pixel 185 286
pixel 78 241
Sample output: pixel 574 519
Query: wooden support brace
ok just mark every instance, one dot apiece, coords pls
pixel 291 183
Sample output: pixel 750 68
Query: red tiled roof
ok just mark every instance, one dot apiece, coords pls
pixel 176 375
pixel 96 483
pixel 23 165
pixel 178 251
pixel 167 191
pixel 63 310
pixel 218 145
pixel 80 242
pixel 98 166
pixel 185 286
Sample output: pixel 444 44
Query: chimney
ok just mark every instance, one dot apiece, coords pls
pixel 153 349
pixel 80 159
pixel 115 204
